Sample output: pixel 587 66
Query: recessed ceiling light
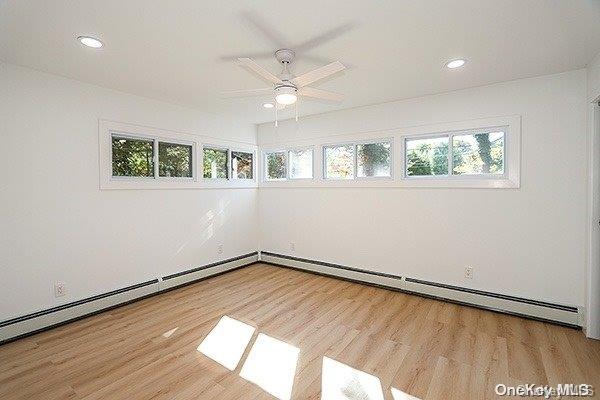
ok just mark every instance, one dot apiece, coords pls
pixel 268 105
pixel 455 63
pixel 90 42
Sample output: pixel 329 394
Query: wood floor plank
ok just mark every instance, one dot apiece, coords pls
pixel 417 346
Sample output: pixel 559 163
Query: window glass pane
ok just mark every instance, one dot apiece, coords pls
pixel 301 164
pixel 373 159
pixel 132 157
pixel 174 160
pixel 276 165
pixel 241 165
pixel 339 162
pixel 215 163
pixel 425 157
pixel 478 154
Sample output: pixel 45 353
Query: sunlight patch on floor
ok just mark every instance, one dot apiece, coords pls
pixel 271 364
pixel 227 342
pixel 341 382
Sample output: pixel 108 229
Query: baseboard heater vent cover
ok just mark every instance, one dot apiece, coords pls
pixel 555 313
pixel 29 324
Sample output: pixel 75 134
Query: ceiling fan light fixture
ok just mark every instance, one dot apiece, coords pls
pixel 286 95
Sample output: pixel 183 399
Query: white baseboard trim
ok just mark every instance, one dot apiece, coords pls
pixel 42 320
pixel 556 313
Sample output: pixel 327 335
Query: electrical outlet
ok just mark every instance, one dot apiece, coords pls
pixel 469 272
pixel 220 249
pixel 292 246
pixel 59 289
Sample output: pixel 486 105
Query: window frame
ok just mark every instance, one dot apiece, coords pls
pixel 228 163
pixel 107 129
pixel 355 144
pixel 450 135
pixel 510 179
pixel 312 159
pixel 194 160
pixel 266 168
pixel 155 157
pixel 230 158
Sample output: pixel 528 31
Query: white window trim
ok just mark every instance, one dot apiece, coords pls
pixel 355 145
pixel 238 150
pixel 286 152
pixel 287 162
pixel 227 166
pixel 512 157
pixel 265 154
pixel 450 136
pixel 107 182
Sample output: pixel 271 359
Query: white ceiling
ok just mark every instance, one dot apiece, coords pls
pixel 177 50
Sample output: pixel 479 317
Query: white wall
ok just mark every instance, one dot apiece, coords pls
pixel 528 242
pixel 593 274
pixel 57 225
pixel 593 78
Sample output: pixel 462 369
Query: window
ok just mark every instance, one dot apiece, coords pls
pixel 215 162
pixel 426 157
pixel 175 160
pixel 339 162
pixel 289 164
pixel 477 153
pixel 275 165
pixel 241 165
pixel 132 157
pixel 136 157
pixel 371 159
pixel 301 163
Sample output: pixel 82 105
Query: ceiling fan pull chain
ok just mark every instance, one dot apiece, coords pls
pixel 275 116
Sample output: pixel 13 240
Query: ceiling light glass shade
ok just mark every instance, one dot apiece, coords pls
pixel 455 63
pixel 268 105
pixel 286 98
pixel 90 42
pixel 285 95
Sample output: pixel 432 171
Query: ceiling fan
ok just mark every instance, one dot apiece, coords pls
pixel 286 88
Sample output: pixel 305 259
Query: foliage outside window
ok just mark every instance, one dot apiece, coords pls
pixel 132 157
pixel 427 156
pixel 241 165
pixel 301 163
pixel 478 154
pixel 275 165
pixel 215 163
pixel 174 160
pixel 470 154
pixel 373 159
pixel 339 161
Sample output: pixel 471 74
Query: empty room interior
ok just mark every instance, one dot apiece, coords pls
pixel 336 200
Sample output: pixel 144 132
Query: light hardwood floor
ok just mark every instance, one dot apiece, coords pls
pixel 379 339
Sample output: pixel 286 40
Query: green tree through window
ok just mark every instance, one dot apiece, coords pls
pixel 132 157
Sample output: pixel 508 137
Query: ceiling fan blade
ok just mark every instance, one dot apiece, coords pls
pixel 260 71
pixel 325 37
pixel 320 94
pixel 247 93
pixel 318 74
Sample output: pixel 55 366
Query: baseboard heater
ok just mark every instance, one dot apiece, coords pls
pixel 29 324
pixel 540 310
